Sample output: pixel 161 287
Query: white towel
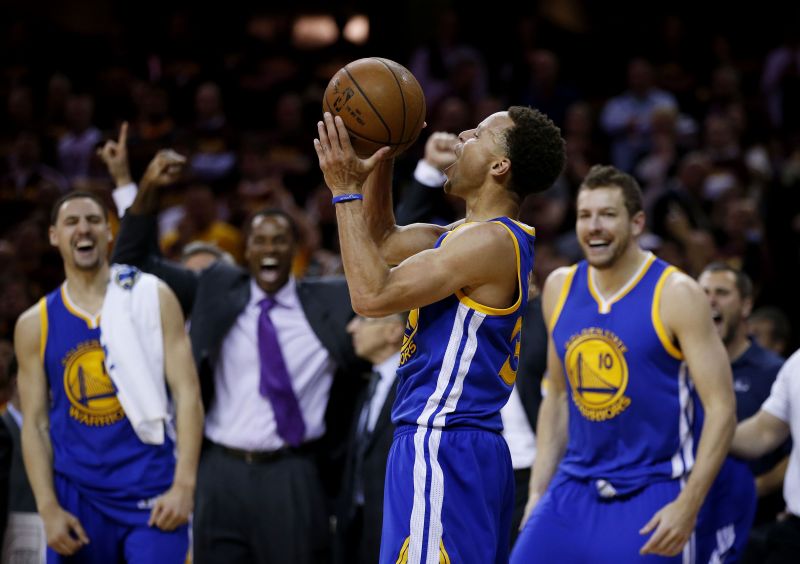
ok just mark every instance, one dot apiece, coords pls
pixel 132 340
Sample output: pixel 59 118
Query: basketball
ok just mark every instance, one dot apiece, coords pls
pixel 380 102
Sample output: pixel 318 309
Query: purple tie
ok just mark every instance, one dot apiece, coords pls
pixel 275 383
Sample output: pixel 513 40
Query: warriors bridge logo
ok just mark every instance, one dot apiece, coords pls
pixel 597 373
pixel 91 393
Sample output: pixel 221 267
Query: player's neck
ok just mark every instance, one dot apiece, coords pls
pixel 87 288
pixel 611 280
pixel 489 202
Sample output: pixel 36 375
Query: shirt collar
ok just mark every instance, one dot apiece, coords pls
pixel 285 297
pixel 388 368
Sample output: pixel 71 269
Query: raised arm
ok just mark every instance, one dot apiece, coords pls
pixel 687 316
pixel 174 507
pixel 64 532
pixel 551 425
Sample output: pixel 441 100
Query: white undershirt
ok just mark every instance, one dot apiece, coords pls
pixel 518 433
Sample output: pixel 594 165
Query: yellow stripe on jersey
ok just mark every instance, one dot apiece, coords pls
pixel 655 313
pixel 526 228
pixel 604 306
pixel 43 323
pixel 562 298
pixel 444 558
pixel 91 321
pixel 467 301
pixel 402 558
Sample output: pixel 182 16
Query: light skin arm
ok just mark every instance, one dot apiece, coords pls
pixel 758 435
pixel 477 258
pixel 687 316
pixel 173 508
pixel 64 532
pixel 551 427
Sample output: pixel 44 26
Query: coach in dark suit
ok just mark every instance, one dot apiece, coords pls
pixel 266 348
pixel 359 512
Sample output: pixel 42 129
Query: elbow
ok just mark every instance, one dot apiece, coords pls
pixel 367 305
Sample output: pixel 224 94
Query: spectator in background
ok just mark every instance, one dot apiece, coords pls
pixel 544 89
pixel 77 147
pixel 25 540
pixel 627 118
pixel 198 255
pixel 771 329
pixel 212 138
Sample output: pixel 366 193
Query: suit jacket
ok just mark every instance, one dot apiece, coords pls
pixel 20 497
pixel 213 300
pixel 374 474
pixel 6 460
pixel 532 360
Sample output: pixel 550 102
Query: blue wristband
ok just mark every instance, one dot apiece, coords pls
pixel 347 198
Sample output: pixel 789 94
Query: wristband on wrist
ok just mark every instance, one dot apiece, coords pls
pixel 347 198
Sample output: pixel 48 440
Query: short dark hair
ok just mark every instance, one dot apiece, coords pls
pixel 781 328
pixel 536 150
pixel 73 196
pixel 743 283
pixel 605 176
pixel 276 212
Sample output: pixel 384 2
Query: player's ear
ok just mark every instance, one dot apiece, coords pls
pixel 51 234
pixel 501 166
pixel 638 222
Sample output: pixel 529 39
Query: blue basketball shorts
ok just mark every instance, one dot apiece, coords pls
pixel 723 525
pixel 572 523
pixel 113 541
pixel 449 497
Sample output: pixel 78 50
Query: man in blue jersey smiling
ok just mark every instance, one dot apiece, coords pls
pixel 106 481
pixel 618 475
pixel 449 485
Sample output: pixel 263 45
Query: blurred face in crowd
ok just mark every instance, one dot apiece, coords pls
pixel 605 229
pixel 728 309
pixel 81 233
pixel 270 251
pixel 376 339
pixel 763 331
pixel 199 261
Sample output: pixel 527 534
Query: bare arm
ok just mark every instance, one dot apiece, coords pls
pixel 173 508
pixel 758 435
pixel 551 426
pixel 476 259
pixel 64 532
pixel 687 316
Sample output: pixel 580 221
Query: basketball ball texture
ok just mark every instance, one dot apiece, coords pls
pixel 380 102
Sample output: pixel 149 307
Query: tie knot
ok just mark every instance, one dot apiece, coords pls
pixel 267 303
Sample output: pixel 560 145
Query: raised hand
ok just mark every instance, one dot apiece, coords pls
pixel 163 170
pixel 439 150
pixel 343 170
pixel 115 156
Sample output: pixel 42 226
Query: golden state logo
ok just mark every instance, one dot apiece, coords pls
pixel 598 373
pixel 509 370
pixel 409 348
pixel 92 395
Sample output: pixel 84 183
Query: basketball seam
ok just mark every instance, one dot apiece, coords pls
pixel 374 109
pixel 402 95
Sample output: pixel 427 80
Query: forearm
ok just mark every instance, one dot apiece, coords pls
pixel 37 453
pixel 715 441
pixel 378 210
pixel 753 439
pixel 772 480
pixel 364 266
pixel 146 201
pixel 551 441
pixel 189 421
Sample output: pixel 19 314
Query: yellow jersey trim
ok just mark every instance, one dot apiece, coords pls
pixel 43 328
pixel 467 301
pixel 402 558
pixel 525 227
pixel 655 313
pixel 603 305
pixel 92 321
pixel 562 298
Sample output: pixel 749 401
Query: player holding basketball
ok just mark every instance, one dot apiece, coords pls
pixel 624 328
pixel 104 494
pixel 449 484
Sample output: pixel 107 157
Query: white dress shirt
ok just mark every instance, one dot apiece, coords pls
pixel 388 371
pixel 784 403
pixel 518 433
pixel 240 417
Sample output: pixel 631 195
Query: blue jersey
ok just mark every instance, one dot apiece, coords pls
pixel 94 445
pixel 459 358
pixel 631 408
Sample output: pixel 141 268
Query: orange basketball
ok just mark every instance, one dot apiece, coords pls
pixel 381 103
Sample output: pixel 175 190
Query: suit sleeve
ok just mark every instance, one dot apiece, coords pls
pixel 137 245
